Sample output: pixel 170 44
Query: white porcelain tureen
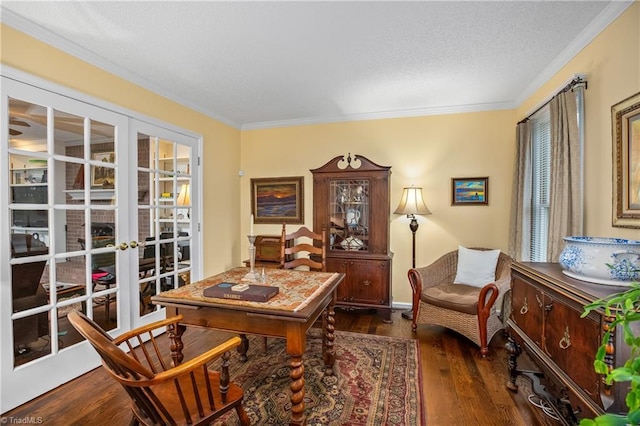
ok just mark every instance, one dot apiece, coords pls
pixel 611 261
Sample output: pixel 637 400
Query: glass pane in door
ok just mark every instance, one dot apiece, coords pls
pixel 54 211
pixel 164 216
pixel 87 214
pixel 27 126
pixel 29 228
pixel 100 226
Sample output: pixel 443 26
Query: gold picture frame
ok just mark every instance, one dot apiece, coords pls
pixel 625 124
pixel 278 200
pixel 103 177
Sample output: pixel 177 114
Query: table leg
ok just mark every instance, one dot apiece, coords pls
pixel 514 350
pixel 175 337
pixel 295 348
pixel 328 350
pixel 243 348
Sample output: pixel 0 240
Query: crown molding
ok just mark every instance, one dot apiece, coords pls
pixel 605 18
pixel 416 112
pixel 34 30
pixel 24 77
pixel 586 36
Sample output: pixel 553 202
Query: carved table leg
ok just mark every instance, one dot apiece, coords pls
pixel 297 390
pixel 328 349
pixel 296 344
pixel 175 337
pixel 243 348
pixel 514 350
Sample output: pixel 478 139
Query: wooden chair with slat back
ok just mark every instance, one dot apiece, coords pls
pixel 161 394
pixel 290 253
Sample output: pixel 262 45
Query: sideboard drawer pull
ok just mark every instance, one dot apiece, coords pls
pixel 565 342
pixel 525 307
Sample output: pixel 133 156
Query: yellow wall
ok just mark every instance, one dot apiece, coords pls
pixel 221 143
pixel 428 151
pixel 612 64
pixel 425 151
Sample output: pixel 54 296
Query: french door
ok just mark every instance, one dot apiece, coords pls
pixel 96 217
pixel 166 212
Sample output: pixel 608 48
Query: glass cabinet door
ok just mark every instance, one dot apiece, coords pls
pixel 349 212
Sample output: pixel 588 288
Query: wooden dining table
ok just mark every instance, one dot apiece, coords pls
pixel 303 298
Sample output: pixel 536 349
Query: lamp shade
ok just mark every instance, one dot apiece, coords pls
pixel 184 197
pixel 412 202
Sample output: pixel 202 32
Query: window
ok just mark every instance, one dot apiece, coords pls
pixel 541 176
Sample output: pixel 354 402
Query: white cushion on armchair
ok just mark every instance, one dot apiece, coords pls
pixel 476 268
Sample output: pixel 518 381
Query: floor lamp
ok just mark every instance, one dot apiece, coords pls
pixel 412 204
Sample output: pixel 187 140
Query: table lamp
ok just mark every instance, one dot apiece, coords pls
pixel 184 197
pixel 411 204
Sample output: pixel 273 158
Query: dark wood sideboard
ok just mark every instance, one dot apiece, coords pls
pixel 545 320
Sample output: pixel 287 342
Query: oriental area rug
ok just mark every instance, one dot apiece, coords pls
pixel 376 381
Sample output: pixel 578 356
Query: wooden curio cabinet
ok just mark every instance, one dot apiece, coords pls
pixel 351 201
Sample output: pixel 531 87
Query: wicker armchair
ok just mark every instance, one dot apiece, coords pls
pixel 470 311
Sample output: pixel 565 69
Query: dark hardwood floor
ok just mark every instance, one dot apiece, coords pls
pixel 460 387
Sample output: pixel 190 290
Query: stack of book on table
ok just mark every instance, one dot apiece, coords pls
pixel 248 292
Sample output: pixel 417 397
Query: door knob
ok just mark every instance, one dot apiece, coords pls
pixel 134 244
pixel 122 246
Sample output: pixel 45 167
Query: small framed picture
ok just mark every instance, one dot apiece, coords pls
pixel 103 177
pixel 470 191
pixel 278 200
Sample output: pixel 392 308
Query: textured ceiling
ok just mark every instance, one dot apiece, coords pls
pixel 262 64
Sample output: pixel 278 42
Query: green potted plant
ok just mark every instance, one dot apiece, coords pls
pixel 625 308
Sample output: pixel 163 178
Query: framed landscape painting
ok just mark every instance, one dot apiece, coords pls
pixel 278 200
pixel 625 123
pixel 103 177
pixel 470 191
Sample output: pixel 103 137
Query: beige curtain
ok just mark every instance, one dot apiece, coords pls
pixel 520 226
pixel 565 204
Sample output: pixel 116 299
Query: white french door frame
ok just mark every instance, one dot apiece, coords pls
pixel 65 364
pixel 140 127
pixel 61 364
